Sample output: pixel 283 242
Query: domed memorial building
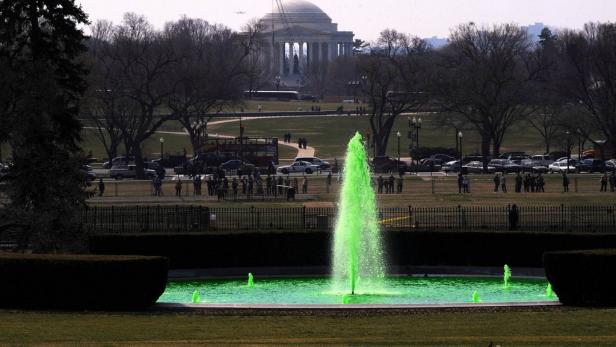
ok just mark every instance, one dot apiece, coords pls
pixel 299 34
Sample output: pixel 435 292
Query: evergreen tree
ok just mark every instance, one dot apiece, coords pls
pixel 40 49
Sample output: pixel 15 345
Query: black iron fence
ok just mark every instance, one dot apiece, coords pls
pixel 132 219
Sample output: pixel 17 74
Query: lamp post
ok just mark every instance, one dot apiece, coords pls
pixel 241 140
pixel 568 136
pixel 460 138
pixel 579 134
pixel 162 148
pixel 398 163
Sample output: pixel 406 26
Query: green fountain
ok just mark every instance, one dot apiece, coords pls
pixel 358 265
pixel 358 270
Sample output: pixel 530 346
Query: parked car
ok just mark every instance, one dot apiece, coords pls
pixel 542 160
pixel 444 158
pixel 452 166
pixel 234 165
pixel 385 164
pixel 118 161
pixel 322 164
pixel 476 167
pixel 591 165
pixel 512 155
pixel 426 165
pixel 561 166
pixel 610 165
pixel 153 165
pixel 470 158
pixel 298 167
pixel 171 161
pixel 90 174
pixel 129 171
pixel 201 164
pixel 530 165
pixel 504 165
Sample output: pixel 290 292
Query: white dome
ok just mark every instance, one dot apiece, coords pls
pixel 301 13
pixel 298 6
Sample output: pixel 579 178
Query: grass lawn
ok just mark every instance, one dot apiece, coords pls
pixel 417 192
pixel 553 327
pixel 331 134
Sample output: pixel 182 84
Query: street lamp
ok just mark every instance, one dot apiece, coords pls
pixel 568 135
pixel 460 138
pixel 162 148
pixel 579 134
pixel 398 163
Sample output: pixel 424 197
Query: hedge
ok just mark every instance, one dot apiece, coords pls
pixel 583 278
pixel 81 282
pixel 313 248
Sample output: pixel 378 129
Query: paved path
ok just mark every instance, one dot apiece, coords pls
pixel 308 152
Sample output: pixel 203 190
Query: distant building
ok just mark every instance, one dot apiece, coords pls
pixel 299 34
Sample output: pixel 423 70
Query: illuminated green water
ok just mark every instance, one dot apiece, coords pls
pixel 393 290
pixel 358 256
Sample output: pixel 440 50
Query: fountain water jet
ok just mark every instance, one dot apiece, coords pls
pixel 358 256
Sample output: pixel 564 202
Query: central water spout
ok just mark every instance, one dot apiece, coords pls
pixel 358 256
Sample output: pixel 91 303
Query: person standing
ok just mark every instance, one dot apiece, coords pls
pixel 527 183
pixel 518 183
pixel 496 182
pixel 101 187
pixel 380 184
pixel 328 181
pixel 540 184
pixel 460 183
pixel 392 181
pixel 234 186
pixel 604 180
pixel 565 183
pixel 613 181
pixel 305 185
pixel 399 184
pixel 466 184
pixel 178 187
pixel 503 183
pixel 197 185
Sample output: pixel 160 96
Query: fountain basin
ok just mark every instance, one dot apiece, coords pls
pixel 318 291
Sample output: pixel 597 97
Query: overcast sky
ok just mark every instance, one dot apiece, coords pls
pixel 424 18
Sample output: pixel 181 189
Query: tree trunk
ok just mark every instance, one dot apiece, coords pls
pixel 138 161
pixel 496 146
pixel 485 151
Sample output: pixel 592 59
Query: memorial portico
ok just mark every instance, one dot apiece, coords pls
pixel 298 34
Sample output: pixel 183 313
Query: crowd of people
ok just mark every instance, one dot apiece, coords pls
pixel 246 186
pixel 390 185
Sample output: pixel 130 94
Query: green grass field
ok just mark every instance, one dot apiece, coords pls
pixel 551 327
pixel 331 134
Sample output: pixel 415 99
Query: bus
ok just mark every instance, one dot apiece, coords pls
pixel 273 95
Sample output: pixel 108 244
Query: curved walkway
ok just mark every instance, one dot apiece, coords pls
pixel 308 152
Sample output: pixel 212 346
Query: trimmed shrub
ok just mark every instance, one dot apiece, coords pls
pixel 81 282
pixel 314 248
pixel 582 278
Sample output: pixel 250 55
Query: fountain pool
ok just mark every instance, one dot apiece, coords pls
pixel 393 291
pixel 358 274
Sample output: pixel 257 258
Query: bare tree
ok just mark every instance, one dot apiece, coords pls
pixel 486 75
pixel 392 82
pixel 136 63
pixel 588 76
pixel 214 65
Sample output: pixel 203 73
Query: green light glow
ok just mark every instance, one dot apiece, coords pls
pixel 476 298
pixel 358 266
pixel 251 280
pixel 195 297
pixel 393 290
pixel 506 275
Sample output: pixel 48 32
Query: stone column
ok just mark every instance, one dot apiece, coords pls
pixel 333 50
pixel 301 57
pixel 281 56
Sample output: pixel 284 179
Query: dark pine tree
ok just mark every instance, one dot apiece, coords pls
pixel 40 50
